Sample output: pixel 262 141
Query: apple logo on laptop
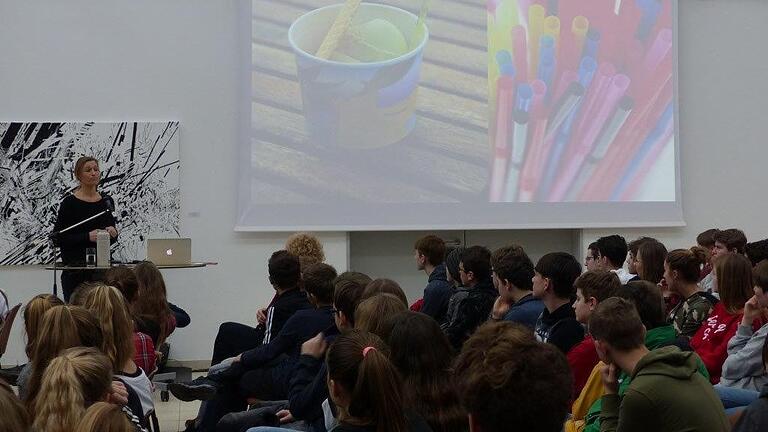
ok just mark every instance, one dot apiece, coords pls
pixel 169 252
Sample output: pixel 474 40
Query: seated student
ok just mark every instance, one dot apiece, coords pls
pixel 681 271
pixel 33 316
pixel 111 311
pixel 372 312
pixel 647 299
pixel 592 287
pixel 666 392
pixel 733 274
pixel 506 380
pixel 475 272
pixel 15 417
pixel 553 280
pixel 307 247
pixel 650 261
pixel 429 253
pixel 755 417
pixel 757 251
pixel 611 254
pixel 384 286
pixel 460 292
pixel 744 366
pixel 706 240
pixel 73 381
pixel 284 276
pixel 65 327
pixel 263 372
pixel 366 388
pixel 632 248
pixel 423 356
pixel 107 417
pixel 146 331
pixel 152 302
pixel 513 278
pixel 730 240
pixel 590 259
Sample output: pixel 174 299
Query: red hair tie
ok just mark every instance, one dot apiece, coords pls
pixel 366 349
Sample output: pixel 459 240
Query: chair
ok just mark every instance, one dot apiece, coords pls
pixel 5 330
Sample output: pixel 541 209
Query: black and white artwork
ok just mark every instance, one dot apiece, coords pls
pixel 139 164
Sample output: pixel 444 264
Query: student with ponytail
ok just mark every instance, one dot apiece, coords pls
pixel 33 316
pixel 107 417
pixel 14 416
pixel 366 387
pixel 72 382
pixel 681 272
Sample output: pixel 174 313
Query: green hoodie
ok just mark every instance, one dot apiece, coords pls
pixel 667 394
pixel 654 338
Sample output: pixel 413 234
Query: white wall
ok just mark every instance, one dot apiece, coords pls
pixel 149 60
pixel 177 59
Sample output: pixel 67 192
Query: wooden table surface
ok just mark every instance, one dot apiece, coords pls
pixel 448 151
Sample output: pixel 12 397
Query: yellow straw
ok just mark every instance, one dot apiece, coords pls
pixel 339 27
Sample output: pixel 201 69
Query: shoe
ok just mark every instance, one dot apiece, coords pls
pixel 198 389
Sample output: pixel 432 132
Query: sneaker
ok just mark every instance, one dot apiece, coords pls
pixel 198 389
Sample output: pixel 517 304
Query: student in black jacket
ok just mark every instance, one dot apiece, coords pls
pixel 429 253
pixel 553 280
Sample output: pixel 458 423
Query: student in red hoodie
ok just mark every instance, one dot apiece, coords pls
pixel 592 287
pixel 733 276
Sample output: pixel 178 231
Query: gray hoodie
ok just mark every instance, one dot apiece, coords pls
pixel 744 366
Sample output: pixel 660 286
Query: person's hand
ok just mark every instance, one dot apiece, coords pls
pixel 92 235
pixel 112 231
pixel 500 308
pixel 752 311
pixel 610 374
pixel 118 395
pixel 237 359
pixel 261 316
pixel 315 347
pixel 285 416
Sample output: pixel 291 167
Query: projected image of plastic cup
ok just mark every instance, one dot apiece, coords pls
pixel 364 95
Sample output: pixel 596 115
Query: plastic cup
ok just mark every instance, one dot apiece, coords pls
pixel 357 105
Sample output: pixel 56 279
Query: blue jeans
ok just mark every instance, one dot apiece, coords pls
pixel 735 397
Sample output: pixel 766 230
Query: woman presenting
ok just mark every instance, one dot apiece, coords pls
pixel 84 202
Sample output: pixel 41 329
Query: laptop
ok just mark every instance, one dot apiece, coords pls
pixel 168 252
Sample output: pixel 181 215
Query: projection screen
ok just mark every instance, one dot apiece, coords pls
pixel 458 114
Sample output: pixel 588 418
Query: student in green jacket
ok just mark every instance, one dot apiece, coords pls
pixel 667 393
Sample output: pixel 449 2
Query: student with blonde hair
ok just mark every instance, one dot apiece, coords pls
pixel 72 382
pixel 33 315
pixel 372 312
pixel 306 247
pixel 110 309
pixel 14 416
pixel 107 417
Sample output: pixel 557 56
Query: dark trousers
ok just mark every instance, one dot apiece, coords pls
pixel 71 279
pixel 233 339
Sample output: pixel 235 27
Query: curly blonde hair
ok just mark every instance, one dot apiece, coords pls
pixel 305 246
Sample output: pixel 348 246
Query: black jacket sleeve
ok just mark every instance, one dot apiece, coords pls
pixel 308 389
pixel 287 338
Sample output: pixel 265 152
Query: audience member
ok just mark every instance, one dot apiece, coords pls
pixel 423 356
pixel 513 278
pixel 384 286
pixel 744 366
pixel 366 388
pixel 15 417
pixel 757 251
pixel 681 271
pixel 429 253
pixel 724 241
pixel 611 254
pixel 306 247
pixel 632 249
pixel 755 417
pixel 372 313
pixel 460 292
pixel 475 272
pixel 73 381
pixel 33 316
pixel 152 303
pixel 592 287
pixel 733 273
pixel 666 392
pixel 507 380
pixel 650 261
pixel 706 240
pixel 107 417
pixel 553 280
pixel 590 259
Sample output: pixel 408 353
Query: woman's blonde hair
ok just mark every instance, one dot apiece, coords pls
pixel 152 299
pixel 108 305
pixel 105 417
pixel 62 327
pixel 372 312
pixel 15 417
pixel 33 316
pixel 305 246
pixel 73 381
